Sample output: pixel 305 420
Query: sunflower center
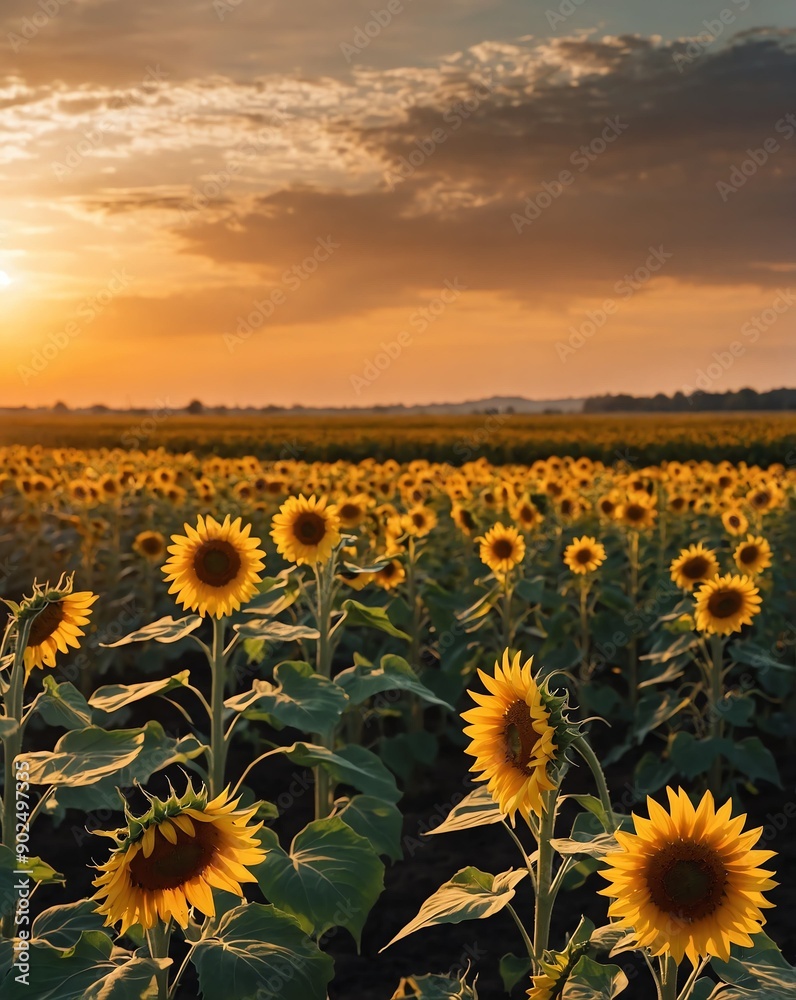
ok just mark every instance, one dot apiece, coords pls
pixel 151 544
pixel 749 553
pixel 566 506
pixel 45 623
pixel 519 736
pixel 725 603
pixel 349 511
pixel 172 865
pixel 635 512
pixel 216 563
pixel 734 520
pixel 389 571
pixel 607 506
pixel 583 556
pixel 418 520
pixel 695 568
pixel 678 503
pixel 686 880
pixel 502 548
pixel 309 528
pixel 760 499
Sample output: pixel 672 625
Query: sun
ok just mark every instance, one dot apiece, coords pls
pixel 5 279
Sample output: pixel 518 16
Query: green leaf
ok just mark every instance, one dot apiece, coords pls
pixel 361 614
pixel 164 630
pixel 83 756
pixel 57 974
pixel 300 698
pixel 112 697
pixel 753 655
pixel 651 774
pixel 513 968
pixel 134 979
pixel 593 805
pixel 761 969
pixel 63 705
pixel 259 953
pixel 351 765
pixel 470 895
pixel 591 981
pixel 530 591
pixel 393 674
pixel 61 926
pixel 157 751
pixel 270 629
pixel 377 821
pixel 755 761
pixel 654 709
pixel 404 751
pixel 692 757
pixel 331 877
pixel 478 808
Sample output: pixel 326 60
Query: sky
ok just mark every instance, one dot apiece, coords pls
pixel 356 203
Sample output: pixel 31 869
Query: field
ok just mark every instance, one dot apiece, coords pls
pixel 298 612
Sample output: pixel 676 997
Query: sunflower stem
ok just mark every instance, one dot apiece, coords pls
pixel 525 936
pixel 158 942
pixel 669 970
pixel 218 744
pixel 544 877
pixel 505 613
pixel 581 744
pixel 633 646
pixel 12 745
pixel 584 631
pixel 716 698
pixel 324 578
pixel 690 983
pixel 523 852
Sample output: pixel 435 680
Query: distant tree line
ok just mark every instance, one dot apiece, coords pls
pixel 696 402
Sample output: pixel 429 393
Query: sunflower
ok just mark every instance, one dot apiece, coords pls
pixel 173 856
pixel 151 545
pixel 512 738
pixel 584 555
pixel 463 519
pixel 753 555
pixel 688 882
pixel 638 510
pixel 353 510
pixel 694 565
pixel 734 521
pixel 306 530
pixel 502 548
pixel 214 568
pixel 56 626
pixel 419 521
pixel 390 576
pixel 726 603
pixel 549 983
pixel 526 515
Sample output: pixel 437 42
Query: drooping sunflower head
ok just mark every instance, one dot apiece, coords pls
pixel 518 735
pixel 56 615
pixel 502 548
pixel 725 604
pixel 584 555
pixel 547 985
pixel 688 881
pixel 694 565
pixel 390 576
pixel 151 545
pixel 464 519
pixel 753 555
pixel 306 529
pixel 214 568
pixel 172 857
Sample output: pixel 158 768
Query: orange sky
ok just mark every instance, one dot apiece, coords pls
pixel 203 202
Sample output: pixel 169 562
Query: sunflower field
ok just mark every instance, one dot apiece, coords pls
pixel 354 729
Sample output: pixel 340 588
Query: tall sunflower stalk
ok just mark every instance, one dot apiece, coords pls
pixel 326 586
